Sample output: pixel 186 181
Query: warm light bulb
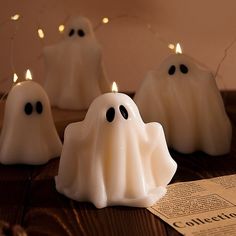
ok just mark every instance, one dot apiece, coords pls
pixel 40 33
pixel 178 49
pixel 61 28
pixel 105 20
pixel 28 75
pixel 15 17
pixel 114 87
pixel 15 77
pixel 171 46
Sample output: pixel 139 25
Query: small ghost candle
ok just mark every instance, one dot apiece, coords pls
pixel 113 158
pixel 185 99
pixel 74 67
pixel 28 134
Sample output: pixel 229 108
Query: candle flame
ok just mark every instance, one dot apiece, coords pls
pixel 28 75
pixel 15 77
pixel 178 49
pixel 114 87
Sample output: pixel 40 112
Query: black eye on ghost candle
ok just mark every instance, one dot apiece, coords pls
pixel 110 115
pixel 28 108
pixel 81 33
pixel 71 33
pixel 124 112
pixel 39 107
pixel 183 68
pixel 171 70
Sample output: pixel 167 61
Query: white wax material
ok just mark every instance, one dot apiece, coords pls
pixel 28 134
pixel 113 158
pixel 74 67
pixel 186 101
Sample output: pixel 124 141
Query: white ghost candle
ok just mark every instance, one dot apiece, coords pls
pixel 113 158
pixel 186 101
pixel 28 134
pixel 74 67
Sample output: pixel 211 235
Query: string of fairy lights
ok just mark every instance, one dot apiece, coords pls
pixel 61 28
pixel 15 19
pixel 103 21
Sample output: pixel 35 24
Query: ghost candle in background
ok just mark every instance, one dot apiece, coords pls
pixel 185 99
pixel 123 160
pixel 74 67
pixel 28 134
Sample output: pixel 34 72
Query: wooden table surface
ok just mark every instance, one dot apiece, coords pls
pixel 28 196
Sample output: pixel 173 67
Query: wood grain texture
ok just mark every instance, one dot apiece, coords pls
pixel 14 184
pixel 28 194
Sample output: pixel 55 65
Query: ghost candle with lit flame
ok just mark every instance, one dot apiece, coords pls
pixel 28 134
pixel 74 67
pixel 185 99
pixel 113 158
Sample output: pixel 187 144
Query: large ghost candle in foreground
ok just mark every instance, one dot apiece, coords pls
pixel 28 134
pixel 186 101
pixel 113 158
pixel 74 67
